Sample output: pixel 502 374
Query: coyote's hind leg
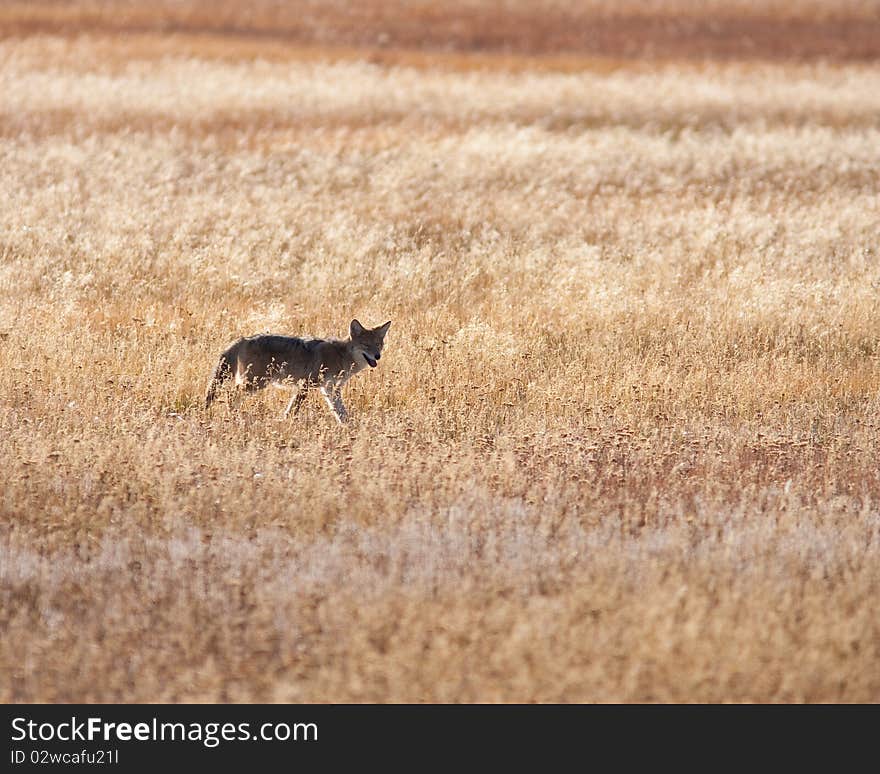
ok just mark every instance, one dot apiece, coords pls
pixel 297 399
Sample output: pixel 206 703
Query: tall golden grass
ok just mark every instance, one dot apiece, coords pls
pixel 623 442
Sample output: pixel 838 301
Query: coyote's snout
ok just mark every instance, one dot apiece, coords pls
pixel 302 363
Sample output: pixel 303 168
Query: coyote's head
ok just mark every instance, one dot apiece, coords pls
pixel 368 342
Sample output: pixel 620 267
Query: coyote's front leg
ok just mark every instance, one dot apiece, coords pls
pixel 334 401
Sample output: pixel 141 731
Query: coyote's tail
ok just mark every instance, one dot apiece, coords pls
pixel 222 373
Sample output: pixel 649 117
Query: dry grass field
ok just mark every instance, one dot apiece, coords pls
pixel 623 442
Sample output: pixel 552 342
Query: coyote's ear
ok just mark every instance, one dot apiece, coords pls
pixel 355 329
pixel 383 329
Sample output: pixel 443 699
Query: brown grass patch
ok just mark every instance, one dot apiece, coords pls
pixel 400 32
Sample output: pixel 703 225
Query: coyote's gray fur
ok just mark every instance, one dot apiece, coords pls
pixel 258 361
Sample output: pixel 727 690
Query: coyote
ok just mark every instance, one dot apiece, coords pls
pixel 258 361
